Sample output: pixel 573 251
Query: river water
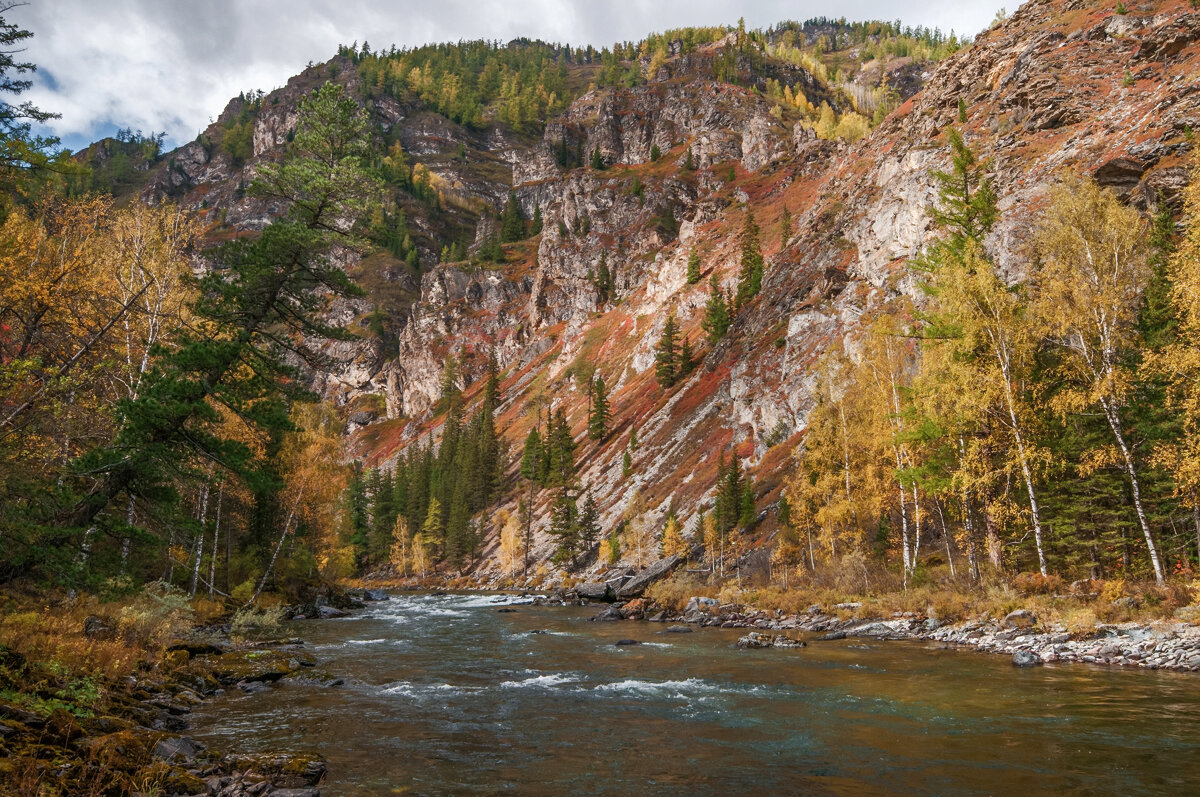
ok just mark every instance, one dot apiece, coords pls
pixel 444 694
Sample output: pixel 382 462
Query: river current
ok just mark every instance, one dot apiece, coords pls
pixel 446 694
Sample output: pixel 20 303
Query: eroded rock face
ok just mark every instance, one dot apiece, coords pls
pixel 1064 86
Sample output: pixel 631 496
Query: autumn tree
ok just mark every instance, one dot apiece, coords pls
pixel 1093 266
pixel 265 290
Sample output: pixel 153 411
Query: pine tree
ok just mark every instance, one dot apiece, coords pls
pixel 689 163
pixel 655 152
pixel 750 274
pixel 666 357
pixel 266 289
pixel 693 267
pixel 716 319
pixel 626 463
pixel 597 159
pixel 598 420
pixel 633 443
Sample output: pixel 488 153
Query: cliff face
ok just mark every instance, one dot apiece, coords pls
pixel 1064 85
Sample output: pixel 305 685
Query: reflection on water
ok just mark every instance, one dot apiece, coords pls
pixel 443 694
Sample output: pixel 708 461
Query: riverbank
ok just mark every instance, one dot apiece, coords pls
pixel 1020 634
pixel 95 698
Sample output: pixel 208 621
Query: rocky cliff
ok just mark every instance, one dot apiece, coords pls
pixel 1063 85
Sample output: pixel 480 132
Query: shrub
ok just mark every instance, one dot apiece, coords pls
pixel 250 619
pixel 159 614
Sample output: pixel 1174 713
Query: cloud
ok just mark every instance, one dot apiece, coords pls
pixel 171 65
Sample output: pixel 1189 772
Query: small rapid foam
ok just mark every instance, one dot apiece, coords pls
pixel 539 681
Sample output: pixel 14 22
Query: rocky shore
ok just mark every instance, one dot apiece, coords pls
pixel 133 739
pixel 1168 645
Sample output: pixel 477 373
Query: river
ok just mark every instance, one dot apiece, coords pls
pixel 445 694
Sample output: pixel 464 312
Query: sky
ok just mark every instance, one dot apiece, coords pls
pixel 171 65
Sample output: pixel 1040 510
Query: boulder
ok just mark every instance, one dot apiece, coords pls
pixel 374 595
pixel 755 639
pixel 178 749
pixel 626 642
pixel 1019 619
pixel 595 591
pixel 636 585
pixel 1026 658
pixel 660 617
pixel 329 612
pixel 610 614
pixel 699 603
pixel 678 629
pixel 285 770
pixel 197 648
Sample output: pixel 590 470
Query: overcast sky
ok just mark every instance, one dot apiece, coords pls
pixel 171 65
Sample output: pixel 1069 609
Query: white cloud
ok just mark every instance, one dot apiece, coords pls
pixel 173 64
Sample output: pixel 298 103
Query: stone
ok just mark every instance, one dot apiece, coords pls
pixel 595 591
pixel 1026 658
pixel 374 595
pixel 699 603
pixel 626 642
pixel 610 614
pixel 755 640
pixel 197 648
pixel 660 617
pixel 330 613
pixel 284 770
pixel 506 610
pixel 1020 618
pixel 678 629
pixel 178 749
pixel 1127 602
pixel 831 636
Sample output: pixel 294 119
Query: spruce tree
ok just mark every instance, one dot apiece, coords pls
pixel 589 522
pixel 531 458
pixel 687 360
pixel 689 163
pixel 535 226
pixel 512 221
pixel 598 421
pixel 626 464
pixel 603 278
pixel 693 267
pixel 564 527
pixel 562 451
pixel 750 274
pixel 666 357
pixel 597 159
pixel 655 152
pixel 716 319
pixel 785 227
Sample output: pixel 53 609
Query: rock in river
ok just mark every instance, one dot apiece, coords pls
pixel 1026 658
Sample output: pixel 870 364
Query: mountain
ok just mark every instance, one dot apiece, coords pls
pixel 641 156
